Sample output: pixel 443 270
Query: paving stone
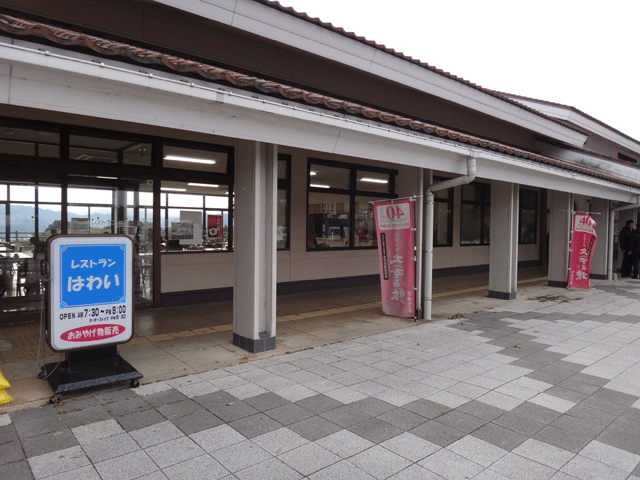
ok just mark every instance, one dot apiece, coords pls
pixel 403 419
pixel 38 426
pixel 461 421
pixel 96 431
pixel 196 422
pixel 8 433
pixel 203 467
pixel 499 436
pixel 448 464
pixel 134 404
pixel 519 468
pixel 437 433
pixel 288 413
pixel 344 443
pixel 266 401
pixel 272 469
pixel 410 447
pixel 255 425
pixel 576 385
pixel 126 467
pixel 174 451
pixel 519 423
pixel 279 441
pixel 427 408
pixel 60 461
pixel 217 437
pixel 375 430
pixel 231 411
pixel 16 470
pixel 114 395
pixel 566 394
pixel 110 447
pixel 342 469
pixel 544 453
pixel 481 410
pixel 587 469
pixel 46 443
pixel 138 420
pixel 314 428
pixel 165 397
pixel 614 396
pixel 154 434
pixel 622 436
pixel 12 452
pixel 240 456
pixel 372 406
pixel 612 456
pixel 379 462
pixel 309 458
pixel 345 416
pixel 575 425
pixel 180 409
pixel 85 416
pixel 573 442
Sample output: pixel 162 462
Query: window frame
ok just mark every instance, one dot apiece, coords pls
pixel 521 209
pixel 352 192
pixel 284 184
pixel 449 202
pixel 482 200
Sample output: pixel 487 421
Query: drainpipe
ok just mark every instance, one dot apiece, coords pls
pixel 612 233
pixel 419 240
pixel 428 233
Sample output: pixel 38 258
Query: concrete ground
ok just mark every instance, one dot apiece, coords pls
pixel 547 386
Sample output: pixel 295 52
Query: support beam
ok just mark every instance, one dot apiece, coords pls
pixel 254 293
pixel 503 252
pixel 560 207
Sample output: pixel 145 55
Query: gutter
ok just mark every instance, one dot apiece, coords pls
pixel 427 298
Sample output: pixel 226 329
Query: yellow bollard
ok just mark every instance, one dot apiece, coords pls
pixel 4 396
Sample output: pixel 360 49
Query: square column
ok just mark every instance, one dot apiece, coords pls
pixel 560 207
pixel 600 213
pixel 503 250
pixel 254 291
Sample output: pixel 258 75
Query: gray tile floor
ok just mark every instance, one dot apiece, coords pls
pixel 540 389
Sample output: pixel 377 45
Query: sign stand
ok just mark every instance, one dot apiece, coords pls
pixel 89 311
pixel 88 368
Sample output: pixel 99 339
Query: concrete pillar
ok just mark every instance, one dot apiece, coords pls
pixel 560 208
pixel 600 213
pixel 254 292
pixel 503 251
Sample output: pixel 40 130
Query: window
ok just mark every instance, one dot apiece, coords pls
pixel 105 148
pixel 528 233
pixel 340 213
pixel 194 216
pixel 29 143
pixel 198 159
pixel 442 216
pixel 284 200
pixel 475 216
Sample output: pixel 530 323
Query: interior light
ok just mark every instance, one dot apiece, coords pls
pixel 178 158
pixel 373 180
pixel 170 189
pixel 108 178
pixel 210 185
pixel 312 173
pixel 316 185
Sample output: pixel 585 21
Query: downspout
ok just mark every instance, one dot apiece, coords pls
pixel 612 233
pixel 419 239
pixel 428 233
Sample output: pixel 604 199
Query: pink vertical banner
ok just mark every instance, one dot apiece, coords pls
pixel 583 243
pixel 394 226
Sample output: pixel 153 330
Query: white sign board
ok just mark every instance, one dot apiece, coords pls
pixel 90 299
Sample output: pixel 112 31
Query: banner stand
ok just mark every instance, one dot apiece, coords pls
pixel 88 368
pixel 89 302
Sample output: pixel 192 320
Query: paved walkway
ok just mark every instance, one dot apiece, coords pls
pixel 537 389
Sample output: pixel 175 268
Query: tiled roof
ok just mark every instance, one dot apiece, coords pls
pixel 69 38
pixel 341 31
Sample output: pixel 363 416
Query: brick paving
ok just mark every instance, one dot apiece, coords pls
pixel 539 389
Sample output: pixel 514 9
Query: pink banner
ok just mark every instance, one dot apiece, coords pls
pixel 214 226
pixel 394 226
pixel 583 243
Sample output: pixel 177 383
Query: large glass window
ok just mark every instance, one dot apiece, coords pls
pixel 194 216
pixel 107 149
pixel 340 212
pixel 284 199
pixel 443 217
pixel 475 217
pixel 29 142
pixel 185 158
pixel 528 220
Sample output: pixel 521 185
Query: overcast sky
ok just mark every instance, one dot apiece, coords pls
pixel 579 53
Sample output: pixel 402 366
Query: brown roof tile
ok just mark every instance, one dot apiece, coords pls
pixel 64 37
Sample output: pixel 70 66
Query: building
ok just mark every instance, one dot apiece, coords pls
pixel 240 143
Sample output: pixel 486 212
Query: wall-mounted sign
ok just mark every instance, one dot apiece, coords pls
pixel 214 226
pixel 90 297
